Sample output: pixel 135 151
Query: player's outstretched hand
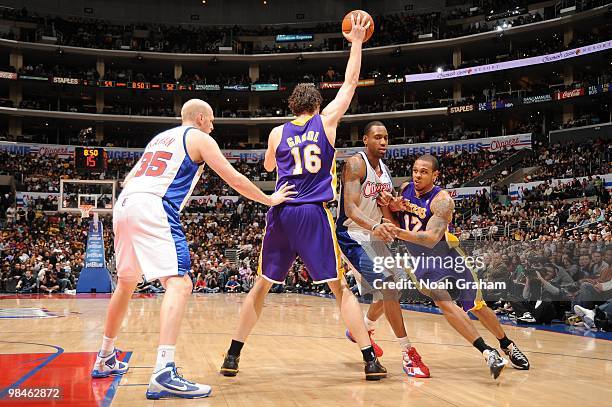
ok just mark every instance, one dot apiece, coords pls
pixel 284 193
pixel 385 231
pixel 359 27
pixel 384 198
pixel 397 204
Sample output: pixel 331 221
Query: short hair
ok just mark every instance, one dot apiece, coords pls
pixel 431 159
pixel 305 98
pixel 369 126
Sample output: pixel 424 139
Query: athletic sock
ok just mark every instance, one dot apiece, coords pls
pixel 368 353
pixel 404 343
pixel 235 348
pixel 481 345
pixel 165 355
pixel 504 342
pixel 369 324
pixel 108 346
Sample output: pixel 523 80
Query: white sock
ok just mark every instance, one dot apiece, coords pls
pixel 404 343
pixel 165 355
pixel 369 324
pixel 108 345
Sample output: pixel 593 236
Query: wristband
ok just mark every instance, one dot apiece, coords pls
pixel 375 226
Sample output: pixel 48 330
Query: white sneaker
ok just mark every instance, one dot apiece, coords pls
pixel 167 383
pixel 105 366
pixel 587 315
pixel 527 318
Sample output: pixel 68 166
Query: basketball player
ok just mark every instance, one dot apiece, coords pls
pixel 425 213
pixel 149 239
pixel 303 153
pixel 359 226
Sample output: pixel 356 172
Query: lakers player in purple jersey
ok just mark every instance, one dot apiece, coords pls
pixel 303 154
pixel 362 236
pixel 425 212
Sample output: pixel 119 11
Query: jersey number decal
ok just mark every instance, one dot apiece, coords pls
pixel 413 222
pixel 312 162
pixel 153 165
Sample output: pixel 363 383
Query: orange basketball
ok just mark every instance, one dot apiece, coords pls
pixel 347 25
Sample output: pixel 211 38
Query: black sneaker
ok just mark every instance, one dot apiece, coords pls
pixel 517 358
pixel 495 361
pixel 374 370
pixel 230 365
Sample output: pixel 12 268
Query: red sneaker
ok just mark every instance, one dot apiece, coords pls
pixel 377 349
pixel 413 365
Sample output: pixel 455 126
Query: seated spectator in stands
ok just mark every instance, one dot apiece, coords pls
pixel 48 283
pixel 147 287
pixel 200 284
pixel 598 264
pixel 232 285
pixel 27 283
pixel 592 290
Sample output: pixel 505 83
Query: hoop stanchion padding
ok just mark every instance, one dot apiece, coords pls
pixel 95 277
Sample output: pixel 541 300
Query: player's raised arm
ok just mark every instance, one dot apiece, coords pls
pixel 210 153
pixel 354 171
pixel 442 207
pixel 273 141
pixel 334 111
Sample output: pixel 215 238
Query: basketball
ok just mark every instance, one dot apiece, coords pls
pixel 347 25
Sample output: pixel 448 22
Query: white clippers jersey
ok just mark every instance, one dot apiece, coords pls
pixel 165 169
pixel 371 186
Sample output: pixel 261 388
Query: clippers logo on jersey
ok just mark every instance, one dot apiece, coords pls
pixel 372 189
pixel 306 159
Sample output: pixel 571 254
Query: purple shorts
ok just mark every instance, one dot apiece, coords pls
pixel 305 230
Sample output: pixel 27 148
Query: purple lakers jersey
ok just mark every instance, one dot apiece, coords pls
pixel 306 159
pixel 418 214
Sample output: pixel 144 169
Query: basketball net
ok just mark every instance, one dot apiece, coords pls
pixel 85 210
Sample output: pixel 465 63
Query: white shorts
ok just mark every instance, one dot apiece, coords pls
pixel 149 238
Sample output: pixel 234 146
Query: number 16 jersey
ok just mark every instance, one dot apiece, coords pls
pixel 165 169
pixel 306 159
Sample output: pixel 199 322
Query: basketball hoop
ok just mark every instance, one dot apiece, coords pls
pixel 85 210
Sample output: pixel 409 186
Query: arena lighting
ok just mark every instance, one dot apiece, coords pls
pixel 439 70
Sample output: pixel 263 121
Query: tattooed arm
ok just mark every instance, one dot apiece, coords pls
pixel 442 207
pixel 354 171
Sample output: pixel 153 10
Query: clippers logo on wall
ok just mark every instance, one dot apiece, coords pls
pixel 568 94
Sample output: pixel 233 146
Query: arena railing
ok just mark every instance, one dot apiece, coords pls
pixel 383 50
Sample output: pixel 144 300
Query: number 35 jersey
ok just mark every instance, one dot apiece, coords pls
pixel 306 159
pixel 165 169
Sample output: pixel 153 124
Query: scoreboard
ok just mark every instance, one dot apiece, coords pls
pixel 90 159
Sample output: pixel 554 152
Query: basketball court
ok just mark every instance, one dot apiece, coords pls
pixel 297 355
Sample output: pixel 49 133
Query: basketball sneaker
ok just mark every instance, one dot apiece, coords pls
pixel 167 383
pixel 517 358
pixel 377 349
pixel 495 362
pixel 587 315
pixel 374 370
pixel 413 365
pixel 230 365
pixel 109 365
